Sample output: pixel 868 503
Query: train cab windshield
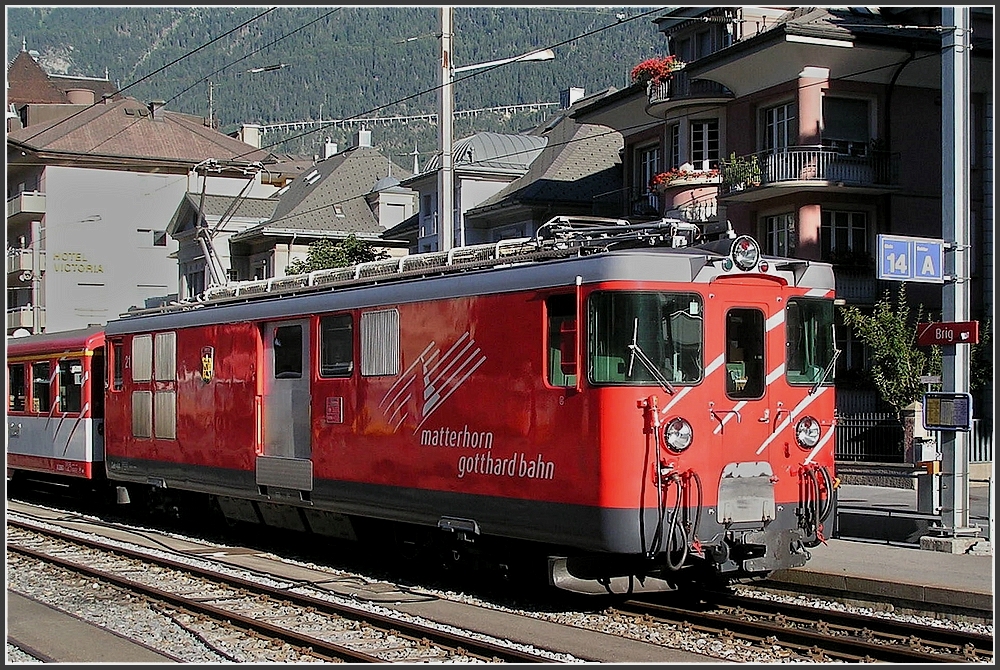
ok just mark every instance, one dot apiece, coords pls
pixel 666 329
pixel 810 346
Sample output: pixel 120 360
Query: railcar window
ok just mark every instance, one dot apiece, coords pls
pixel 668 328
pixel 336 337
pixel 561 309
pixel 288 352
pixel 41 398
pixel 809 342
pixel 745 353
pixel 165 356
pixel 70 385
pixel 16 389
pixel 118 356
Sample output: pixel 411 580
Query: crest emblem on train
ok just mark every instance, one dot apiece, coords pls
pixel 422 389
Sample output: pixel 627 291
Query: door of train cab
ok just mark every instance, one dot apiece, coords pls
pixel 287 441
pixel 741 409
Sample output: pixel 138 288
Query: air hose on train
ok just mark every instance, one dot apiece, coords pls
pixel 681 533
pixel 815 502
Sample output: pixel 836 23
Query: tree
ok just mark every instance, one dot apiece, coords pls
pixel 326 253
pixel 896 362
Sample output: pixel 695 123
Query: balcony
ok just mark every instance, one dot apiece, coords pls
pixel 24 317
pixel 25 207
pixel 21 263
pixel 762 175
pixel 681 90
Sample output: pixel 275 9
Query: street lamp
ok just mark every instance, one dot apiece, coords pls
pixel 446 170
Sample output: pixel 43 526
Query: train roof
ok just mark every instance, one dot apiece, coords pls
pixel 593 249
pixel 57 342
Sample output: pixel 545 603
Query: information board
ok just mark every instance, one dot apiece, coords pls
pixel 947 411
pixel 910 258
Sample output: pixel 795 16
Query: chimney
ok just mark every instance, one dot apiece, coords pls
pixel 250 134
pixel 363 138
pixel 155 106
pixel 569 96
pixel 80 96
pixel 329 148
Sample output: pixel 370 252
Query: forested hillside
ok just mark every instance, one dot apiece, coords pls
pixel 340 62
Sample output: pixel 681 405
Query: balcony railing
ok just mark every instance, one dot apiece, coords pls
pixel 680 86
pixel 25 205
pixel 19 260
pixel 24 317
pixel 809 164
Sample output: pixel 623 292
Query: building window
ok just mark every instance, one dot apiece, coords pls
pixel 159 238
pixel 780 129
pixel 779 234
pixel 195 282
pixel 647 164
pixel 674 145
pixel 843 236
pixel 846 125
pixel 705 144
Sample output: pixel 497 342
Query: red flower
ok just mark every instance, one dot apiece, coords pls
pixel 656 69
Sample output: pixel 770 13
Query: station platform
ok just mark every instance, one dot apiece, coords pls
pixel 874 556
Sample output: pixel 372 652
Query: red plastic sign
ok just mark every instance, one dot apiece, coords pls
pixel 953 332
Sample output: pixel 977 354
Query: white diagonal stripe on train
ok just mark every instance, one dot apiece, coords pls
pixel 774 320
pixel 458 364
pixel 791 415
pixel 86 408
pixel 819 293
pixel 712 367
pixel 404 377
pixel 453 389
pixel 826 438
pixel 448 356
pixel 448 360
pixel 729 415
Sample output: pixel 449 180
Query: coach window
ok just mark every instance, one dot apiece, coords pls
pixel 70 385
pixel 40 387
pixel 336 336
pixel 745 353
pixel 118 363
pixel 561 311
pixel 288 352
pixel 16 388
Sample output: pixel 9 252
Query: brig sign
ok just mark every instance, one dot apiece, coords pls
pixel 948 332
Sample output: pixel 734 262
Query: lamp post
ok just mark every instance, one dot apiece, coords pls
pixel 446 171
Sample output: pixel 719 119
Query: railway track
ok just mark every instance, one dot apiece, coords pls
pixel 318 627
pixel 820 635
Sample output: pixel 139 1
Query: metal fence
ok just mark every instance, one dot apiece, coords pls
pixel 878 437
pixel 869 437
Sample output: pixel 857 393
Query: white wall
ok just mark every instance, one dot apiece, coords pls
pixel 97 262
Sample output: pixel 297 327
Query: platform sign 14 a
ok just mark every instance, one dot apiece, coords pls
pixel 905 258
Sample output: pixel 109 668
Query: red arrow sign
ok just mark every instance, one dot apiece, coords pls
pixel 948 332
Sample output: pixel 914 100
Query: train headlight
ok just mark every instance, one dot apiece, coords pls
pixel 678 434
pixel 745 252
pixel 807 432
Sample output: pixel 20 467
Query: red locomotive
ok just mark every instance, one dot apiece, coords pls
pixel 643 411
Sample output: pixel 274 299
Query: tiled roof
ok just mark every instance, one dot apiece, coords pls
pixel 126 128
pixel 27 83
pixel 580 160
pixel 248 208
pixel 330 196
